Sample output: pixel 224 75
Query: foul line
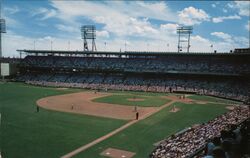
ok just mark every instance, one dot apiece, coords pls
pixel 84 147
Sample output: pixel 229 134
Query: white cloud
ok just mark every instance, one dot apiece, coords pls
pixel 137 9
pixel 11 22
pixel 231 41
pixel 102 33
pixel 155 10
pixel 120 20
pixel 222 18
pixel 169 28
pixel 192 16
pixel 116 18
pixel 125 26
pixel 241 40
pixel 247 26
pixel 67 28
pixel 243 7
pixel 46 13
pixel 224 10
pixel 199 39
pixel 200 44
pixel 230 5
pixel 11 10
pixel 46 38
pixel 8 12
pixel 222 35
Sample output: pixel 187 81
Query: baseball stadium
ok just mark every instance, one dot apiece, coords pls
pixel 93 103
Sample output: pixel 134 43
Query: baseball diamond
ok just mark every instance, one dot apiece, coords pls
pixel 124 79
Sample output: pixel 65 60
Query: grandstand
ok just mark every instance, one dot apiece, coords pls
pixel 220 74
pixel 224 75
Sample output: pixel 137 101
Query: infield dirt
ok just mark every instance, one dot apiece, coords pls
pixel 82 103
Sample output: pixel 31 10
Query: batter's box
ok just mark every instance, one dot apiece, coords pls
pixel 116 153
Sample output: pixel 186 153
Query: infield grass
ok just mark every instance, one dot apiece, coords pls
pixel 24 133
pixel 123 99
pixel 140 137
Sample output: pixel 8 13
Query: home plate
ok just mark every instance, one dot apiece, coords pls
pixel 116 153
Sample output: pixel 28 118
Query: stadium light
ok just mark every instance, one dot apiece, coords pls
pixel 184 33
pixel 88 32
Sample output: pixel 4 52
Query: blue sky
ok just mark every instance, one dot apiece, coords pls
pixel 142 25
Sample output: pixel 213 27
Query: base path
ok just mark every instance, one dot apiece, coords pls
pixel 82 148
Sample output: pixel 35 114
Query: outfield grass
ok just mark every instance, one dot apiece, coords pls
pixel 47 134
pixel 140 137
pixel 122 99
pixel 212 99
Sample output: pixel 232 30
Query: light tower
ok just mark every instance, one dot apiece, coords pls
pixel 88 32
pixel 2 28
pixel 184 33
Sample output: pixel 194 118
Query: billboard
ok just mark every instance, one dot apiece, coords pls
pixel 5 69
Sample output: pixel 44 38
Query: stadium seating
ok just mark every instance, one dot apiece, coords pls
pixel 210 75
pixel 192 140
pixel 167 65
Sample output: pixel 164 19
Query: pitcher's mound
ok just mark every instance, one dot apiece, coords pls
pixel 116 153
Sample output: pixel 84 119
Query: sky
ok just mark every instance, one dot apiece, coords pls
pixel 124 25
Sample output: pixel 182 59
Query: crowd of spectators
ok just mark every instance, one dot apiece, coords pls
pixel 225 88
pixel 118 73
pixel 228 133
pixel 167 64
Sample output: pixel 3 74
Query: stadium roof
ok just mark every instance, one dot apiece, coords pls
pixel 143 53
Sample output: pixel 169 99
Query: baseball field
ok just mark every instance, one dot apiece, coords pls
pixel 60 122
